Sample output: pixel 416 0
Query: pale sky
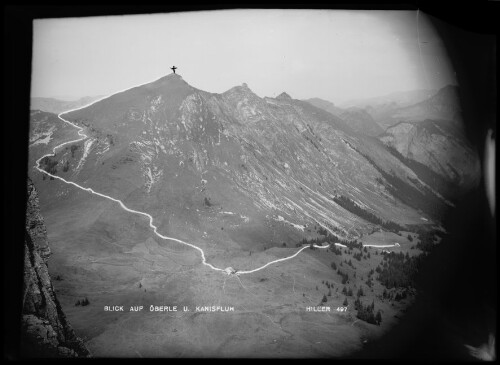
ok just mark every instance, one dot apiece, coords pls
pixel 333 55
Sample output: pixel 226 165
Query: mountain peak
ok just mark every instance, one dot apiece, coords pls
pixel 169 78
pixel 240 89
pixel 284 96
pixel 171 83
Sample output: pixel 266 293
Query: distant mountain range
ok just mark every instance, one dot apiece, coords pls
pixel 443 105
pixel 325 105
pixel 424 133
pixel 356 118
pixel 57 106
pixel 388 110
pixel 398 98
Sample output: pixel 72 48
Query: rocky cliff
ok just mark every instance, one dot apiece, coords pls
pixel 45 331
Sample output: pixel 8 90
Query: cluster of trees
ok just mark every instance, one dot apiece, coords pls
pixel 398 270
pixel 351 206
pixel 331 239
pixel 73 149
pixel 358 256
pixel 49 165
pixel 349 263
pixel 345 276
pixel 369 282
pixel 66 166
pixel 400 295
pixel 335 250
pixel 347 292
pixel 360 292
pixel 322 231
pixel 351 244
pixel 427 241
pixel 366 313
pixel 327 284
pixel 82 302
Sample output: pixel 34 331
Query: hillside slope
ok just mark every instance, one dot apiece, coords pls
pixel 253 156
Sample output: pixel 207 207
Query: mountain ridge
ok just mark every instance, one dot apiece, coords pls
pixel 196 118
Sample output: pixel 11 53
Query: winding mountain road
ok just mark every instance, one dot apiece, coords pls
pixel 83 136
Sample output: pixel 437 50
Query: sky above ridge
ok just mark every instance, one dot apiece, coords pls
pixel 330 54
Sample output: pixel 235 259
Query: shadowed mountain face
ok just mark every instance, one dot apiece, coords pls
pixel 438 145
pixel 430 134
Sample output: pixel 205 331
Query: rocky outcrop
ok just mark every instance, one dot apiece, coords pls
pixel 284 96
pixel 45 330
